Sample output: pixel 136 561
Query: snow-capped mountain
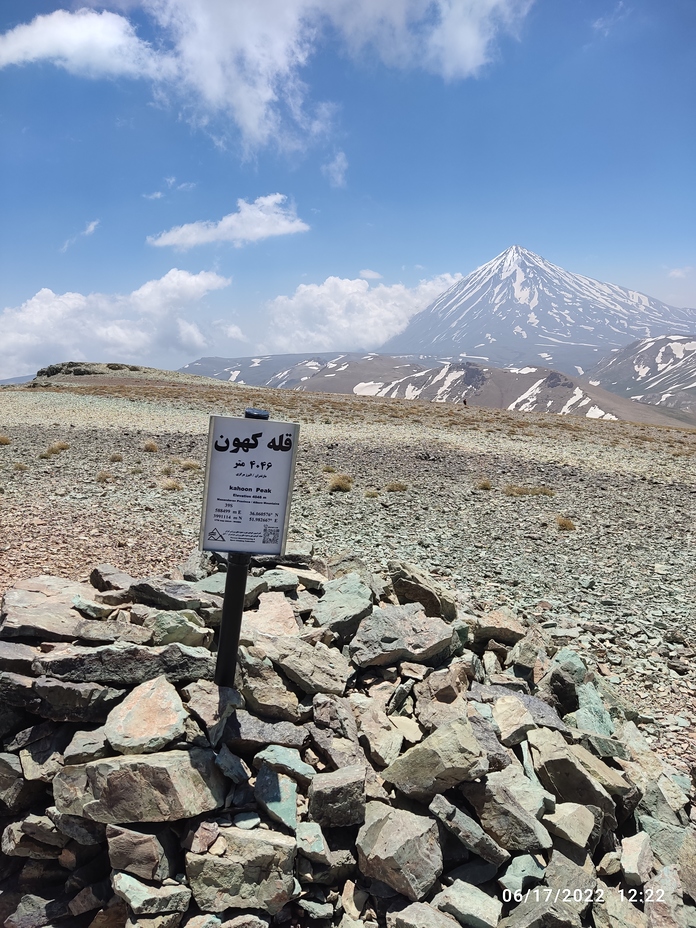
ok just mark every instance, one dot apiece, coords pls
pixel 520 309
pixel 660 371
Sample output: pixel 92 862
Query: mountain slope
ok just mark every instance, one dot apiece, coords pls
pixel 660 371
pixel 520 309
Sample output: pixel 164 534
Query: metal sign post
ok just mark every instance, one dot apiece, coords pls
pixel 246 505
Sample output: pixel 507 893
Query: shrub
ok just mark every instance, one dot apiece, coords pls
pixel 190 465
pixel 136 470
pixel 20 466
pixel 396 486
pixel 150 446
pixel 116 458
pixel 328 469
pixel 341 483
pixel 512 489
pixel 5 440
pixel 171 484
pixel 484 485
pixel 565 524
pixel 55 448
pixel 104 476
pixel 166 470
pixel 371 494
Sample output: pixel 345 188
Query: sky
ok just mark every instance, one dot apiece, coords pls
pixel 189 178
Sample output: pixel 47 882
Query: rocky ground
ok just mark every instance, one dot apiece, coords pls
pixel 620 584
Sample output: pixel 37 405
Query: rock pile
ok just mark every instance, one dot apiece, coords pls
pixel 392 756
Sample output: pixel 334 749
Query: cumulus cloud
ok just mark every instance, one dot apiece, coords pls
pixel 89 229
pixel 264 218
pixel 679 272
pixel 244 61
pixel 346 314
pixel 335 170
pixel 150 321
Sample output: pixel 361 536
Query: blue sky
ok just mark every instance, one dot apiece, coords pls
pixel 220 177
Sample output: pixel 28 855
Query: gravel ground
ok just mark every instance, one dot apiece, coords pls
pixel 620 586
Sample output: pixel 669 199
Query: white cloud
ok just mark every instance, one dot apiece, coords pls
pixel 367 274
pixel 345 314
pixel 89 229
pixel 679 272
pixel 134 327
pixel 265 217
pixel 335 170
pixel 157 195
pixel 606 24
pixel 243 61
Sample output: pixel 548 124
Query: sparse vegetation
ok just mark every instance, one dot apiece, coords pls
pixel 5 440
pixel 20 467
pixel 340 483
pixel 136 470
pixel 484 484
pixel 513 489
pixel 55 448
pixel 166 470
pixel 116 458
pixel 328 469
pixel 150 446
pixel 565 524
pixel 396 486
pixel 172 484
pixel 104 477
pixel 371 494
pixel 190 465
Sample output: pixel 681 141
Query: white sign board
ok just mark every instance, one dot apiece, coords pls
pixel 248 485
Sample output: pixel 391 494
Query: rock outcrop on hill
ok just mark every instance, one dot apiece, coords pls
pixel 392 755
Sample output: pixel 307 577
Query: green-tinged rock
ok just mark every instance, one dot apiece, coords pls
pixel 665 840
pixel 522 872
pixel 337 799
pixel 469 905
pixel 421 915
pixel 285 760
pixel 184 627
pixel 314 668
pixel 277 795
pixel 399 633
pixel 345 602
pixel 468 831
pixel 145 899
pixel 312 843
pixel 612 909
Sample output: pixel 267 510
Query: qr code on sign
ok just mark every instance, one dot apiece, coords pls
pixel 271 534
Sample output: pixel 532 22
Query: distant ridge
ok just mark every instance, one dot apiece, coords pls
pixel 521 309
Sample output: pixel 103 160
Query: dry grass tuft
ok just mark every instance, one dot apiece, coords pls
pixel 171 484
pixel 150 446
pixel 136 470
pixel 328 469
pixel 371 494
pixel 5 440
pixel 20 467
pixel 565 524
pixel 166 470
pixel 484 485
pixel 512 489
pixel 396 486
pixel 341 483
pixel 116 457
pixel 55 448
pixel 104 477
pixel 190 465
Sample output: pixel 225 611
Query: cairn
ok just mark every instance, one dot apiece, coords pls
pixel 392 755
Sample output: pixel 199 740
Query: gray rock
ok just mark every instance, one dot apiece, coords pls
pixel 499 625
pixel 127 664
pixel 79 829
pixel 91 609
pixel 381 740
pixel 17 843
pixel 563 874
pixel 400 849
pixel 35 911
pixel 540 913
pixel 444 759
pixel 469 905
pixel 613 910
pixel 337 799
pixel 129 728
pixel 504 819
pixel 149 856
pixel 254 872
pixel 345 602
pixel 412 585
pixel 184 627
pixel 312 843
pixel 513 720
pixel 420 915
pixel 316 910
pixel 523 871
pixel 142 788
pixel 244 732
pixel 315 669
pixel 106 577
pixel 281 580
pixel 285 760
pixel 528 791
pixel 637 860
pixel 396 633
pixel 543 714
pixel 263 689
pixel 56 699
pixel 664 905
pixel 144 899
pixel 86 746
pixel 570 821
pixel 42 750
pixel 17 657
pixel 276 793
pixel 211 706
pixel 687 863
pixel 165 594
pixel 469 832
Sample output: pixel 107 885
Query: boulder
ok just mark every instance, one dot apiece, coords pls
pixel 469 905
pixel 276 793
pixel 148 856
pixel 399 848
pixel 344 603
pixel 337 799
pixel 637 860
pixel 274 616
pixel 412 585
pixel 244 732
pixel 570 821
pixel 396 633
pixel 469 832
pixel 418 915
pixel 165 594
pixel 144 899
pixel 504 819
pixel 129 727
pixel 211 706
pixel 315 669
pixel 142 788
